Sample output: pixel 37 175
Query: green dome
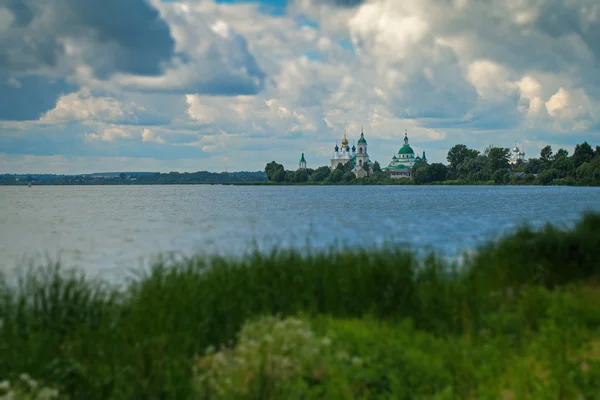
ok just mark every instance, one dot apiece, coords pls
pixel 362 139
pixel 406 150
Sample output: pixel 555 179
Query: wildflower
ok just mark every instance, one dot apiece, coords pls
pixel 356 361
pixel 5 386
pixel 326 341
pixel 47 394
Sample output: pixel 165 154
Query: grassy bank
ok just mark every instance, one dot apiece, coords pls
pixel 520 318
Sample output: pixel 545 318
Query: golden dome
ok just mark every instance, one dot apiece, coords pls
pixel 345 141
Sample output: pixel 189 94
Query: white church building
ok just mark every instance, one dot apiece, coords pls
pixel 358 156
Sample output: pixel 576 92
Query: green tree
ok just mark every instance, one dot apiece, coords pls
pixel 497 158
pixel 546 177
pixel 437 172
pixel 472 167
pixel 278 176
pixel 301 176
pixel 460 153
pixel 376 167
pixel 336 175
pixel 546 154
pixel 499 175
pixel 348 176
pixel 584 171
pixel 421 175
pixel 272 168
pixel 583 153
pixel 321 174
pixel 561 153
pixel 564 165
pixel 533 166
pixel 289 176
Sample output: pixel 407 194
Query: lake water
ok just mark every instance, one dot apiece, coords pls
pixel 111 229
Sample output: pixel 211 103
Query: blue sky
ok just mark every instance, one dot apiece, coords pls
pixel 187 85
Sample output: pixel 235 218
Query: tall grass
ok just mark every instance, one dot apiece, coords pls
pixel 97 342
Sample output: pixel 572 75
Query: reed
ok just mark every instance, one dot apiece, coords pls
pixel 94 341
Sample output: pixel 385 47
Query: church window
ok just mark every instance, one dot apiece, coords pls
pixel 360 162
pixel 360 150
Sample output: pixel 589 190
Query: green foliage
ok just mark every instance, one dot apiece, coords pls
pixel 583 153
pixel 500 176
pixel 273 170
pixel 497 159
pixel 459 154
pixel 272 359
pixel 520 315
pixel 546 154
pixel 549 257
pixel 547 176
pixel 321 174
pixel 376 167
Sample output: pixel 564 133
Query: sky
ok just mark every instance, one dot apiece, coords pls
pixel 155 85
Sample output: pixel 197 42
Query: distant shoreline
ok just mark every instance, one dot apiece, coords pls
pixel 400 183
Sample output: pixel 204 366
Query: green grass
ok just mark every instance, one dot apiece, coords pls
pixel 424 328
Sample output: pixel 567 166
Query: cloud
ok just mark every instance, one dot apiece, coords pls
pixel 28 97
pixel 148 135
pixel 83 106
pixel 240 86
pixel 109 134
pixel 117 35
pixel 214 59
pixel 42 43
pixel 50 48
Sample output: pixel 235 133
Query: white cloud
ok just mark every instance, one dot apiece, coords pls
pixel 148 135
pixel 490 79
pixel 109 133
pixel 448 71
pixel 216 59
pixel 83 106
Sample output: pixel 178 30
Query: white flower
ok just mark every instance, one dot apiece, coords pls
pixel 326 341
pixel 47 394
pixel 5 386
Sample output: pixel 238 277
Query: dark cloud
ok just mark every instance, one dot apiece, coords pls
pixel 117 35
pixel 29 97
pixel 558 18
pixel 225 57
pixel 491 117
pixel 70 141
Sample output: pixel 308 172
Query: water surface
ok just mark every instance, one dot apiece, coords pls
pixel 111 229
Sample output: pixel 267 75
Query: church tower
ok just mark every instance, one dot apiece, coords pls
pixel 362 157
pixel 302 163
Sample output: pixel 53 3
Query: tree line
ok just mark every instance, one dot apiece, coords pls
pixel 465 166
pixel 142 178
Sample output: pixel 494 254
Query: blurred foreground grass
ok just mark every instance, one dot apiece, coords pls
pixel 519 320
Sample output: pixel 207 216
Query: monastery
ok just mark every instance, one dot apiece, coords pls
pixel 357 156
pixel 402 163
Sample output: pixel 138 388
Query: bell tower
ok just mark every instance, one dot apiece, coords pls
pixel 302 163
pixel 362 157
